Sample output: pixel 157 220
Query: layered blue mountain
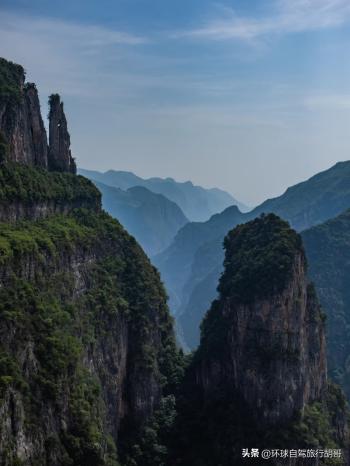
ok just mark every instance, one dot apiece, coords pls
pixel 197 203
pixel 196 253
pixel 151 218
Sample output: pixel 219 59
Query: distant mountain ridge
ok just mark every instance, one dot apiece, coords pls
pixel 197 203
pixel 323 196
pixel 152 218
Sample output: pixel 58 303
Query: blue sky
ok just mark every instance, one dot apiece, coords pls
pixel 250 96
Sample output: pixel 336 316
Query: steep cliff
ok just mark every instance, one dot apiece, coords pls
pixel 60 157
pixel 258 378
pixel 87 351
pixel 22 132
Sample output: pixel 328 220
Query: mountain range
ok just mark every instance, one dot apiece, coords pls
pixel 197 203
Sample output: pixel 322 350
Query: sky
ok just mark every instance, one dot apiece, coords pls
pixel 250 96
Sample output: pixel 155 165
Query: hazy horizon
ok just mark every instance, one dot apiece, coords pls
pixel 247 98
pixel 184 180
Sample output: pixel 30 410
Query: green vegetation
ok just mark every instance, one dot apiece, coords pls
pixel 64 323
pixel 78 295
pixel 32 185
pixel 41 314
pixel 53 236
pixel 151 449
pixel 54 99
pixel 258 263
pixel 46 312
pixel 11 375
pixel 259 259
pixel 11 78
pixel 4 148
pixel 317 427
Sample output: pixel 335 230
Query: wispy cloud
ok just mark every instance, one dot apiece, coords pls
pixel 86 35
pixel 72 58
pixel 283 17
pixel 101 64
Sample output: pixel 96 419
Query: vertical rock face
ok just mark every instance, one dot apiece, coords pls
pixel 272 335
pixel 21 125
pixel 60 157
pixel 37 132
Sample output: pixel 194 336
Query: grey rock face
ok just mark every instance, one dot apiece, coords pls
pixel 60 157
pixel 23 128
pixel 37 132
pixel 275 351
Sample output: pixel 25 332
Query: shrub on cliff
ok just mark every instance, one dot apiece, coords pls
pixel 259 258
